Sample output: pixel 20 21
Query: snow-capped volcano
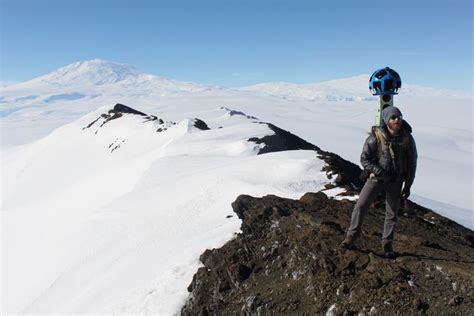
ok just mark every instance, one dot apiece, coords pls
pixel 100 77
pixel 96 72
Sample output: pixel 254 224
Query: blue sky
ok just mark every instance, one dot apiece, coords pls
pixel 237 43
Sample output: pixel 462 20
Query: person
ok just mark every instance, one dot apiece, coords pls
pixel 389 159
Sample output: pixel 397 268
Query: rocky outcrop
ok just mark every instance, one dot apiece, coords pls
pixel 347 173
pixel 200 124
pixel 118 111
pixel 287 261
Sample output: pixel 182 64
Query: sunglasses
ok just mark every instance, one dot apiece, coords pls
pixel 394 117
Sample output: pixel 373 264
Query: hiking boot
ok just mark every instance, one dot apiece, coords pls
pixel 388 249
pixel 347 243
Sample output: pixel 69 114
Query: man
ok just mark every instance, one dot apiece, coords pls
pixel 389 158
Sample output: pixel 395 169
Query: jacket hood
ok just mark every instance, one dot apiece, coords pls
pixel 406 127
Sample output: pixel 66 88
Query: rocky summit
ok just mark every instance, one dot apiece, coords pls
pixel 287 261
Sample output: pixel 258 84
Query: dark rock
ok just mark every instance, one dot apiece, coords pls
pixel 207 259
pixel 112 116
pixel 434 245
pixel 199 124
pixel 347 172
pixel 243 272
pixel 457 300
pixel 240 205
pixel 120 108
pixel 150 118
pixel 420 305
pixel 234 112
pixel 287 261
pixel 311 198
pixel 281 140
pixel 118 111
pixel 92 123
pixel 470 239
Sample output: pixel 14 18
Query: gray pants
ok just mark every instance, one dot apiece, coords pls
pixel 368 194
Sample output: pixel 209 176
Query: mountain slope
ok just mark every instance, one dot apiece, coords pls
pixel 116 207
pixel 287 260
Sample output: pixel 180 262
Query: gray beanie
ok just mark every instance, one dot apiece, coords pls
pixel 390 111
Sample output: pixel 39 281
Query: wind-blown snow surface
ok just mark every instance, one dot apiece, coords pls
pixel 93 221
pixel 87 228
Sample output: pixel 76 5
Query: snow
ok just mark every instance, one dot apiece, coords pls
pixel 122 231
pixel 112 219
pixel 331 310
pixel 338 194
pixel 458 214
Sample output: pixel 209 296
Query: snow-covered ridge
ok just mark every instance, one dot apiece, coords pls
pixel 119 205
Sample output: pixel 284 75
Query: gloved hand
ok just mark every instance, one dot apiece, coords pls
pixel 376 176
pixel 364 175
pixel 384 175
pixel 380 173
pixel 406 192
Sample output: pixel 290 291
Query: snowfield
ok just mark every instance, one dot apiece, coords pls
pixel 104 215
pixel 122 230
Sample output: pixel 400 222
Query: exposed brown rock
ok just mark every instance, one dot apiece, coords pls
pixel 287 261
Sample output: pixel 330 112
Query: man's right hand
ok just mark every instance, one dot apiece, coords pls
pixel 380 173
pixel 384 175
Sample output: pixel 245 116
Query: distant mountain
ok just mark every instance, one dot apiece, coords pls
pixel 100 76
pixel 346 89
pixel 97 72
pixel 97 77
pixel 349 89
